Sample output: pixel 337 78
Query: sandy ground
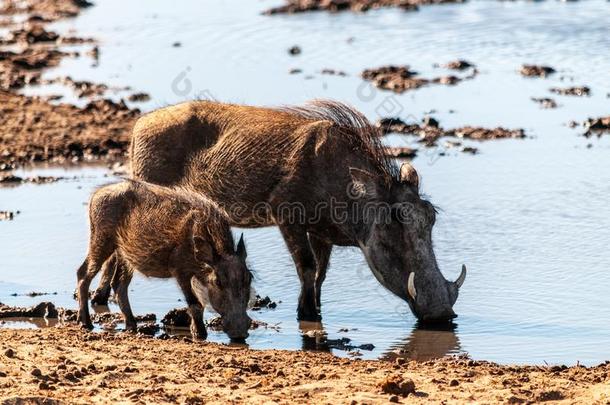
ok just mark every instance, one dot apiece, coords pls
pixel 69 365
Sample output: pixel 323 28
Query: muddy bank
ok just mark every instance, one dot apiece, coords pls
pixel 31 128
pixel 401 78
pixel 73 366
pixel 333 6
pixel 429 131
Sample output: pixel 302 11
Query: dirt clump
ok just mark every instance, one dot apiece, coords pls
pixel 597 126
pixel 138 97
pixel 429 131
pixel 333 6
pixel 536 71
pixel 579 91
pixel 263 302
pixel 545 102
pixel 397 385
pixel 7 215
pixel 294 50
pixel 333 72
pixel 177 318
pixel 401 152
pixel 458 64
pixel 401 78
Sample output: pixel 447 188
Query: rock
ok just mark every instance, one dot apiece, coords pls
pixel 36 372
pixel 397 385
pixel 177 318
pixel 294 50
pixel 552 395
pixel 10 353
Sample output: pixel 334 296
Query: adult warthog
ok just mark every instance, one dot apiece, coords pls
pixel 320 174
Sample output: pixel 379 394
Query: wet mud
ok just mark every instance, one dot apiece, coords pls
pixel 429 131
pixel 579 91
pixel 536 71
pixel 333 6
pixel 545 102
pixel 400 79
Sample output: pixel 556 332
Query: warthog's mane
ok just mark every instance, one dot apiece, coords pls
pixel 354 127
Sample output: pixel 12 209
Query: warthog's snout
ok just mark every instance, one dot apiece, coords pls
pixel 237 328
pixel 444 316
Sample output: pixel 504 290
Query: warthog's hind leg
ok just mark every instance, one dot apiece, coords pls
pixel 120 284
pixel 101 295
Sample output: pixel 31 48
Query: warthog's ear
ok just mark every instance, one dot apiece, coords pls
pixel 409 175
pixel 363 184
pixel 241 248
pixel 203 250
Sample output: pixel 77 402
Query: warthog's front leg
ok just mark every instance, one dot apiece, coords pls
pixel 120 283
pixel 101 295
pixel 321 250
pixel 195 308
pixel 302 254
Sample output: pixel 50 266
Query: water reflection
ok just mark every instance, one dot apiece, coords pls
pixel 426 342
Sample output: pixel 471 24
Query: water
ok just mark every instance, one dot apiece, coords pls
pixel 528 217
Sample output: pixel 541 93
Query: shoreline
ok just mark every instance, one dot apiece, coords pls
pixel 70 365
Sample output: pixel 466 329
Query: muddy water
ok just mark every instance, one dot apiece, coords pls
pixel 529 217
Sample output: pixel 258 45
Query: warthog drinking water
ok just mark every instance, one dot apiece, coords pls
pixel 165 233
pixel 313 171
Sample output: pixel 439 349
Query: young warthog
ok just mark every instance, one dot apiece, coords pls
pixel 163 232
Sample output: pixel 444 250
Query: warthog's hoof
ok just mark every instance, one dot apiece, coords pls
pixel 86 325
pixel 99 298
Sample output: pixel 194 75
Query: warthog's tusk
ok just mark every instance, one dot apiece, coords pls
pixel 411 285
pixel 462 277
